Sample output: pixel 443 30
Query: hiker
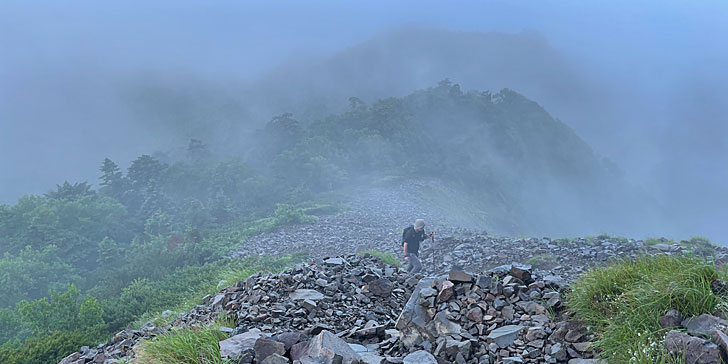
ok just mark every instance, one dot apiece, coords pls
pixel 411 239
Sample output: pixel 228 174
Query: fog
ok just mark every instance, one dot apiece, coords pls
pixel 643 84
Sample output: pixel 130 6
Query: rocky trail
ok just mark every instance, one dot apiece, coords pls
pixel 472 304
pixel 375 221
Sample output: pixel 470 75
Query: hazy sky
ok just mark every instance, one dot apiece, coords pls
pixel 661 62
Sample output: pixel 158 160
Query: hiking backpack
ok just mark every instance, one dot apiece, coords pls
pixel 404 233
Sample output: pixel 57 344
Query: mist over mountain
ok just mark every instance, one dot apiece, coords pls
pixel 647 97
pixel 392 63
pixel 395 62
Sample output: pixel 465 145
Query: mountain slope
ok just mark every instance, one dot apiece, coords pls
pixel 528 172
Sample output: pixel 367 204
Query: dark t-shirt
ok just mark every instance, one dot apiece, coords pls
pixel 413 239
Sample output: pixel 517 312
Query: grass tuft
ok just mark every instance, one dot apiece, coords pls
pixel 542 261
pixel 386 257
pixel 190 345
pixel 623 302
pixel 699 245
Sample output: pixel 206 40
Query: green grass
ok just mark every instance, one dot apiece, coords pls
pixel 386 257
pixel 700 245
pixel 654 241
pixel 618 239
pixel 591 239
pixel 623 302
pixel 542 260
pixel 184 346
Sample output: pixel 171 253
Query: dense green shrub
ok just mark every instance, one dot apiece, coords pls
pixel 31 273
pixel 49 348
pixel 65 311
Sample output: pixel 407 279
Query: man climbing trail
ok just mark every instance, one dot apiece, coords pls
pixel 411 239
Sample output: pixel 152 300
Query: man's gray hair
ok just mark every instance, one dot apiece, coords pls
pixel 419 223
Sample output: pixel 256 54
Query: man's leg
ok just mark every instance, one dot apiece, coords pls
pixel 408 267
pixel 415 262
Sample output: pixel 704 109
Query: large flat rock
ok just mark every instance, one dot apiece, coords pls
pixel 306 294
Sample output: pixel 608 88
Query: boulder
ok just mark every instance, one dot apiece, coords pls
pixel 289 339
pixel 324 348
pixel 521 271
pixel 512 360
pixel 672 318
pixel 275 359
pixel 371 358
pixel 460 276
pixel 704 324
pixel 381 287
pixel 505 336
pixel 559 352
pixel 306 294
pixel 693 349
pixel 264 348
pixel 419 357
pixel 335 261
pixel 234 347
pixel 720 339
pixel 475 314
pixel 413 320
pixel 446 291
pixel 442 326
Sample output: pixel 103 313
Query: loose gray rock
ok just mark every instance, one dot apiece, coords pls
pixel 704 324
pixel 505 336
pixel 264 348
pixel 306 294
pixel 420 357
pixel 325 348
pixel 275 359
pixel 233 347
pixel 672 318
pixel 413 320
pixel 460 276
pixel 371 358
pixel 693 349
pixel 381 287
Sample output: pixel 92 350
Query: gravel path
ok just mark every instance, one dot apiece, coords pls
pixel 377 217
pixel 375 221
